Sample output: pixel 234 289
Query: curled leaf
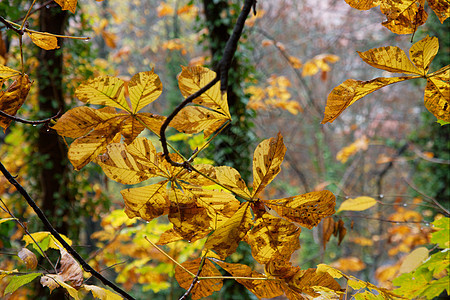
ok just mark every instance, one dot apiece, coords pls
pixel 13 98
pixel 28 257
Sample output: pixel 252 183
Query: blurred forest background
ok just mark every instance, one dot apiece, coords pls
pixel 386 146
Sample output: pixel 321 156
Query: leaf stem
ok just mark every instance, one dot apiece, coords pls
pixel 43 33
pixel 27 15
pixel 169 257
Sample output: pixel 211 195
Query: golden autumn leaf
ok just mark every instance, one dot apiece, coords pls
pixel 440 8
pixel 225 239
pixel 267 160
pixel 306 282
pixel 144 88
pixel 352 90
pixel 13 98
pixel 295 62
pixel 352 264
pixel 45 40
pixel 231 179
pixel 204 287
pixel 306 210
pixel 357 204
pixel 42 235
pixel 348 151
pixel 164 9
pixel 327 230
pixel 260 288
pixel 6 72
pixel 363 4
pixel 392 59
pixel 101 293
pixel 53 281
pixel 437 98
pixel 68 4
pixel 273 238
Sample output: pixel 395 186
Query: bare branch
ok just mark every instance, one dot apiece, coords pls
pixel 17 119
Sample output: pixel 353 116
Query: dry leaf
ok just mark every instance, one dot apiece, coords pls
pixel 68 4
pixel 13 98
pixel 29 258
pixel 70 270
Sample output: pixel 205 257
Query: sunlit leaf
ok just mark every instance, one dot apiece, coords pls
pixel 437 98
pixel 405 18
pixel 225 239
pixel 101 293
pixel 363 4
pixel 304 281
pixel 18 281
pixel 392 59
pixel 28 257
pixel 267 160
pixel 146 202
pixel 273 238
pixel 352 90
pixel 68 4
pixel 45 41
pixel 357 204
pixel 423 52
pixel 440 236
pixel 39 236
pixel 203 288
pixel 306 210
pixel 144 88
pixel 440 8
pixel 232 180
pixel 13 98
pixel 6 72
pixel 103 90
pixel 193 119
pixel 260 288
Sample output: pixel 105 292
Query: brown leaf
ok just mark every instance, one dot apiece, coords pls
pixel 306 210
pixel 408 20
pixel 68 4
pixel 440 8
pixel 204 287
pixel 342 231
pixel 29 258
pixel 13 98
pixel 327 230
pixel 70 270
pixel 304 281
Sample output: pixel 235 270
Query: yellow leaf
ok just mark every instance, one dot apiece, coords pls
pixel 13 98
pixel 440 8
pixel 204 287
pixel 437 98
pixel 423 52
pixel 144 88
pixel 103 90
pixel 322 268
pixel 164 9
pixel 124 167
pixel 79 121
pixel 101 293
pixel 261 288
pixel 363 4
pixel 225 239
pixel 131 128
pixel 404 17
pixel 306 210
pixel 357 204
pixel 146 202
pixel 39 236
pixel 6 72
pixel 295 62
pixel 348 151
pixel 85 149
pixel 68 4
pixel 232 180
pixel 273 238
pixel 352 263
pixel 392 59
pixel 191 79
pixel 413 260
pixel 28 257
pixel 307 281
pixel 44 41
pixel 152 121
pixel 310 68
pixel 267 160
pixel 352 90
pixel 110 39
pixel 169 236
pixel 193 119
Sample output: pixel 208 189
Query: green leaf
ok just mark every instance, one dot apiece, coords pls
pixel 441 237
pixel 20 280
pixel 442 122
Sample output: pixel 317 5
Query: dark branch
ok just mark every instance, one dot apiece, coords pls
pixel 9 26
pixel 194 282
pixel 17 119
pixel 221 74
pixel 53 231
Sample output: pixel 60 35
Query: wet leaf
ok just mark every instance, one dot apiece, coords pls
pixel 204 287
pixel 267 160
pixel 304 281
pixel 327 230
pixel 273 238
pixel 45 41
pixel 28 257
pixel 406 19
pixel 225 239
pixel 357 204
pixel 306 210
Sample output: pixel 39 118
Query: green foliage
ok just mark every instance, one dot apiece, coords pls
pixel 20 280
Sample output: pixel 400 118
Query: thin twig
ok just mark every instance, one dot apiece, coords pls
pixel 9 26
pixel 195 280
pixel 17 119
pixel 434 201
pixel 55 233
pixel 221 74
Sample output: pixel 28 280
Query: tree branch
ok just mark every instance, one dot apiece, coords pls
pixel 53 231
pixel 221 74
pixel 17 119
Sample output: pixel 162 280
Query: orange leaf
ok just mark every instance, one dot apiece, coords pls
pixel 13 98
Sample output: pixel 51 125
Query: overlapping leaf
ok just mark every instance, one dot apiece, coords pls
pixel 204 287
pixel 403 17
pixel 212 111
pixel 393 59
pixel 94 129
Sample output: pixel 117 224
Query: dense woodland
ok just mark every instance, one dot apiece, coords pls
pixel 224 149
